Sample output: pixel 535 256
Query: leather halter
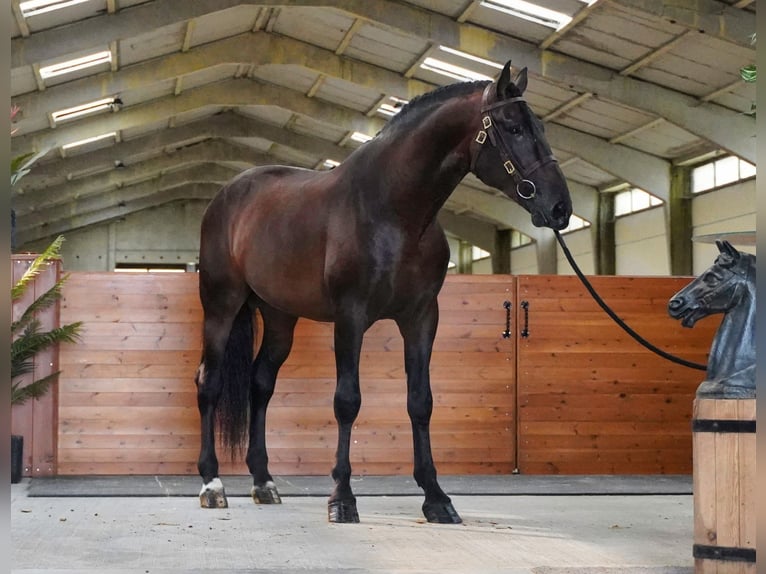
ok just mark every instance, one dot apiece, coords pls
pixel 489 121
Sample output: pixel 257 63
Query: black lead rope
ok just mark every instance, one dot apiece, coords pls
pixel 616 319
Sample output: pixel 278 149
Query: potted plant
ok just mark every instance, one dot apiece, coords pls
pixel 28 339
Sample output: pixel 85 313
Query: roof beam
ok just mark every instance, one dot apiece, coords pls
pixel 231 93
pixel 211 152
pixel 200 173
pixel 246 92
pixel 225 125
pixel 727 128
pixel 640 169
pixel 256 49
pixel 710 17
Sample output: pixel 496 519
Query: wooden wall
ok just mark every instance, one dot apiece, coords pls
pixel 128 401
pixel 36 420
pixel 591 399
pixel 577 396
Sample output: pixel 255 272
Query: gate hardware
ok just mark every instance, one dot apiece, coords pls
pixel 525 330
pixel 507 332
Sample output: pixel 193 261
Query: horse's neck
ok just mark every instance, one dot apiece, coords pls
pixel 733 346
pixel 422 166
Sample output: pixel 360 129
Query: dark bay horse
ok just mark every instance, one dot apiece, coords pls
pixel 351 246
pixel 728 287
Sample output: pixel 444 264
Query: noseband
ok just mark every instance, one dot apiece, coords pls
pixel 525 187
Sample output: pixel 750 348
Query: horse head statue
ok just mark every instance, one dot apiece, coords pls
pixel 728 287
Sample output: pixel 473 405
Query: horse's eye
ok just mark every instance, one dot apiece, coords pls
pixel 516 129
pixel 710 279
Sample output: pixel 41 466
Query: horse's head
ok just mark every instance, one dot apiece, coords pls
pixel 716 290
pixel 511 153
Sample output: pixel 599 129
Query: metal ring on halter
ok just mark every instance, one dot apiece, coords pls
pixel 532 193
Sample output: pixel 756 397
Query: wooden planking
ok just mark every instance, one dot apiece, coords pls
pixel 590 398
pixel 129 387
pixel 724 485
pixel 36 420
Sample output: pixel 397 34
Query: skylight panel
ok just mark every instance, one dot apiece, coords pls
pixel 89 140
pixel 530 12
pixel 392 107
pixel 330 163
pixel 37 7
pixel 83 109
pixel 76 64
pixel 360 137
pixel 452 71
pixel 471 57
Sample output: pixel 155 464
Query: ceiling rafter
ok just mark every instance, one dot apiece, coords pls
pixel 722 126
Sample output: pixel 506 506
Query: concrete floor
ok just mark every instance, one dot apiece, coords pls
pixel 512 534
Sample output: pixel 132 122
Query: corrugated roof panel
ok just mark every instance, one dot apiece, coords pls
pixel 268 114
pixel 197 114
pixel 223 24
pixel 614 37
pixel 294 77
pixel 545 96
pixel 157 42
pixel 22 81
pixel 687 67
pixel 668 141
pixel 143 129
pixel 346 94
pixel 385 48
pixel 507 24
pixel 66 15
pixel 208 76
pixel 583 172
pixel 603 118
pixel 741 98
pixel 323 27
pixel 452 8
pixel 313 127
pixel 148 93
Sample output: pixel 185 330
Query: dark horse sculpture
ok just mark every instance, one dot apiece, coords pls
pixel 350 246
pixel 728 287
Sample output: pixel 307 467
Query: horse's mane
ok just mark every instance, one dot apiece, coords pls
pixel 440 94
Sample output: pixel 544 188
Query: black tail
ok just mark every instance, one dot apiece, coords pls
pixel 234 404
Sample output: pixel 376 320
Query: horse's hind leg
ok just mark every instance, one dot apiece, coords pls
pixel 418 331
pixel 277 341
pixel 222 315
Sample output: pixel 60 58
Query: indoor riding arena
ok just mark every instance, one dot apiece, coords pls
pixel 403 286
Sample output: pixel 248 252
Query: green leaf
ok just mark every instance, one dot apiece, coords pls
pixel 22 393
pixel 52 252
pixel 749 73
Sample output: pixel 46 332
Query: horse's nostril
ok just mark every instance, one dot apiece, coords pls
pixel 676 303
pixel 560 210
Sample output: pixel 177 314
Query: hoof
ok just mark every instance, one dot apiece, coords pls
pixel 441 513
pixel 213 495
pixel 265 494
pixel 342 512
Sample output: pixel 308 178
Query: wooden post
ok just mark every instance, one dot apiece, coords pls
pixel 724 486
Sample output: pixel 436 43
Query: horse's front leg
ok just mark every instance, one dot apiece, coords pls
pixel 277 341
pixel 418 331
pixel 349 332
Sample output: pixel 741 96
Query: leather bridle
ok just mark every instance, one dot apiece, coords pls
pixel 520 173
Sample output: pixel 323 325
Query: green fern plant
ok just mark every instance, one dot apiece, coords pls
pixel 27 334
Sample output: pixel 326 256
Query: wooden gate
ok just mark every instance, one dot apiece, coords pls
pixel 593 401
pixel 128 402
pixel 575 396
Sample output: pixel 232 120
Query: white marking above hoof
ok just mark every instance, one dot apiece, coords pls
pixel 214 485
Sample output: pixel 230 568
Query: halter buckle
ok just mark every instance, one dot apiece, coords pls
pixel 509 167
pixel 481 137
pixel 486 122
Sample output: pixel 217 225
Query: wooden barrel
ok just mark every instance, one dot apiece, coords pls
pixel 724 486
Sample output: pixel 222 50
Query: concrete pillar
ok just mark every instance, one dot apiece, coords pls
pixel 501 258
pixel 465 258
pixel 605 246
pixel 679 222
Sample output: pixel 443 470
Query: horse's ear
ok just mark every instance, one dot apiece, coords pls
pixel 521 80
pixel 504 81
pixel 727 249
